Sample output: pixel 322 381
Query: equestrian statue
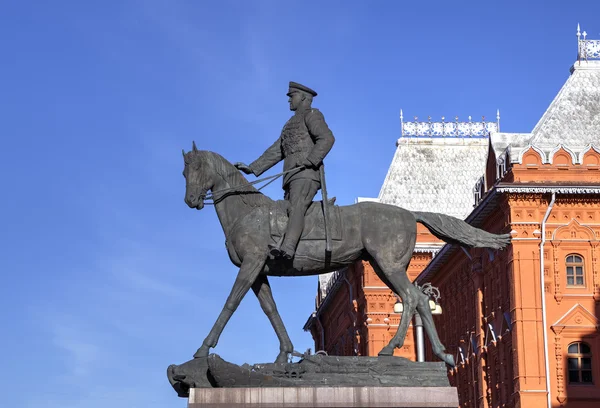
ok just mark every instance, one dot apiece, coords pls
pixel 301 237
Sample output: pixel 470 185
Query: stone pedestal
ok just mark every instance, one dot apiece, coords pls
pixel 296 397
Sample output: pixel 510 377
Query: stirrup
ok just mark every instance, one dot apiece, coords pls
pixel 275 251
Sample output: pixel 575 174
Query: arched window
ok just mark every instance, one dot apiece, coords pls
pixel 575 270
pixel 580 363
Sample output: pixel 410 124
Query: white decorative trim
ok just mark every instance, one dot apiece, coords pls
pixel 526 149
pixel 548 158
pixel 587 149
pixel 525 239
pixel 552 152
pixel 588 49
pixel 548 189
pixel 448 129
pixel 427 250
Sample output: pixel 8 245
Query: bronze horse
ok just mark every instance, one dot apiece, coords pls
pixel 383 234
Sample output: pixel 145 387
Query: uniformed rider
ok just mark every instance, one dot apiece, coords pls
pixel 304 142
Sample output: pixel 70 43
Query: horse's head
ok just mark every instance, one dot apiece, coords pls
pixel 199 177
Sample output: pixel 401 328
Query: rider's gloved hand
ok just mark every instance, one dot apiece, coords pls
pixel 243 167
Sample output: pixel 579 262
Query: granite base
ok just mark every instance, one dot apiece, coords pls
pixel 301 397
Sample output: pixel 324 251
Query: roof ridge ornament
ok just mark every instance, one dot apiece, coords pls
pixel 457 129
pixel 586 49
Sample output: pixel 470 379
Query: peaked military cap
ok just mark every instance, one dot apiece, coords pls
pixel 294 86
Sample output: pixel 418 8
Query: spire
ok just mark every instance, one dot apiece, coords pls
pixel 498 119
pixel 401 123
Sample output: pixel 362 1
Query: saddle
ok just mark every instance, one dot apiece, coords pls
pixel 314 227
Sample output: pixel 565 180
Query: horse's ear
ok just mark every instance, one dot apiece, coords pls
pixel 183 152
pixel 194 148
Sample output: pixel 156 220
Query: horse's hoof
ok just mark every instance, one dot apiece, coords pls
pixel 448 359
pixel 386 351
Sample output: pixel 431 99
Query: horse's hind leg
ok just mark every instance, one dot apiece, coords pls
pixel 393 274
pixel 429 325
pixel 262 290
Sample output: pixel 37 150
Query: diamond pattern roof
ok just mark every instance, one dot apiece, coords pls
pixel 573 117
pixel 436 175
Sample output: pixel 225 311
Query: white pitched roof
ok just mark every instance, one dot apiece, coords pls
pixel 573 117
pixel 435 174
pixel 572 120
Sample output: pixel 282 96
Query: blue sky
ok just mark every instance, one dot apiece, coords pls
pixel 107 276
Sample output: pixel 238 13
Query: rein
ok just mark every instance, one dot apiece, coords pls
pixel 235 189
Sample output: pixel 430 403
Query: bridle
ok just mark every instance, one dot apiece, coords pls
pixel 221 194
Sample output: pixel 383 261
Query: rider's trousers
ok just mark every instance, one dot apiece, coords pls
pixel 299 193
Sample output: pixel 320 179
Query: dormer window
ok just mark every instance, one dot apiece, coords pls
pixel 574 266
pixel 501 169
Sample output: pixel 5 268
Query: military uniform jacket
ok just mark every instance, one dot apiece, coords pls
pixel 304 136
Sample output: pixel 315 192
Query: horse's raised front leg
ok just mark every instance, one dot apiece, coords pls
pixel 251 268
pixel 262 290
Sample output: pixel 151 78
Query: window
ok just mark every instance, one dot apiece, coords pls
pixel 574 270
pixel 580 363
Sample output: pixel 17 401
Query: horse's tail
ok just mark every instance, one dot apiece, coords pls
pixel 456 231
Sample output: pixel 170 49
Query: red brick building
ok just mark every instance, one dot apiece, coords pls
pixel 522 322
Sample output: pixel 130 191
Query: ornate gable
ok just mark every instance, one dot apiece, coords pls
pixel 574 231
pixel 578 318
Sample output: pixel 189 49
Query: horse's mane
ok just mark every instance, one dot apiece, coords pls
pixel 250 195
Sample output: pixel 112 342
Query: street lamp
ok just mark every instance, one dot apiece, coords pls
pixel 429 290
pixel 434 297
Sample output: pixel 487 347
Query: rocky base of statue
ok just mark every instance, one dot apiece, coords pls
pixel 311 371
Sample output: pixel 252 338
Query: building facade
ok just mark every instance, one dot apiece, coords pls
pixel 522 323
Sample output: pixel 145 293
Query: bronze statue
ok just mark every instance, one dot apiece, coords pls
pixel 304 142
pixel 383 234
